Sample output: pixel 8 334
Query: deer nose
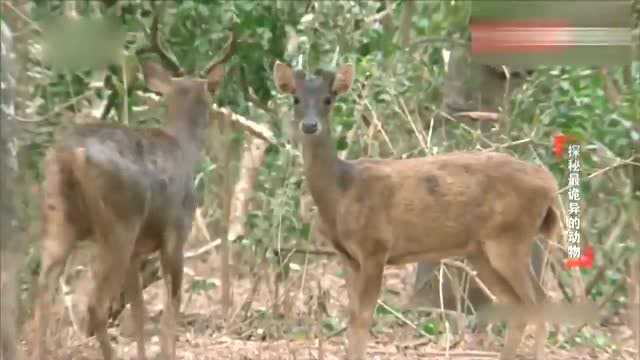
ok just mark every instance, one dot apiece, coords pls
pixel 309 127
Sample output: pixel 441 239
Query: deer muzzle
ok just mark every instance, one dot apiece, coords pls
pixel 310 126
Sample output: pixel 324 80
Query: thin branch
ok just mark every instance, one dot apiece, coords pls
pixel 480 115
pixel 379 127
pixel 444 318
pixel 429 40
pixel 508 144
pixel 247 125
pixel 628 161
pixel 57 109
pixel 22 16
pixel 320 252
pixel 463 354
pixel 402 318
pixel 413 125
pixel 473 274
pixel 382 14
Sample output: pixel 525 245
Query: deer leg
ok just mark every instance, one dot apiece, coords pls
pixel 541 334
pixel 171 259
pixel 56 247
pixel 504 294
pixel 364 285
pixel 540 339
pixel 513 265
pixel 112 263
pixel 133 291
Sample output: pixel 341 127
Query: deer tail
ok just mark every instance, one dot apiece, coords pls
pixel 80 163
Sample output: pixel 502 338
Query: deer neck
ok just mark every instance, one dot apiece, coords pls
pixel 189 137
pixel 321 166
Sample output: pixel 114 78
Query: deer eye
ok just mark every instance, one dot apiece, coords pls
pixel 327 100
pixel 296 100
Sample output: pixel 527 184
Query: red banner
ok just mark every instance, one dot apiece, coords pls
pixel 519 36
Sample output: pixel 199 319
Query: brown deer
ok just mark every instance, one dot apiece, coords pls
pixel 130 191
pixel 487 207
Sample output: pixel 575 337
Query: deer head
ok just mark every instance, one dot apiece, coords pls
pixel 313 96
pixel 188 97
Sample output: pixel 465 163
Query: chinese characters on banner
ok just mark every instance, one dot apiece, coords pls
pixel 573 212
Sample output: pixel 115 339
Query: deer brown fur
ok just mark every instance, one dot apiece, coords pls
pixel 472 298
pixel 485 206
pixel 130 191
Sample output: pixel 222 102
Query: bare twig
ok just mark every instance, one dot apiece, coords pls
pixel 401 318
pixel 479 115
pixel 247 125
pixel 406 114
pixel 475 133
pixel 246 304
pixel 509 144
pixel 58 108
pixel 21 15
pixel 378 126
pixel 473 274
pixel 609 87
pixel 321 252
pixel 428 40
pixel 382 14
pixel 202 250
pixel 629 161
pixel 462 354
pixel 444 318
pixel 430 132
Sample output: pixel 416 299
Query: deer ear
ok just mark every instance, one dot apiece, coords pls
pixel 157 78
pixel 214 78
pixel 344 79
pixel 283 78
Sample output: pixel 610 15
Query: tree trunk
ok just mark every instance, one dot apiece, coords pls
pixel 9 239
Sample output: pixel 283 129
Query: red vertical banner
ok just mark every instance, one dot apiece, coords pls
pixel 558 145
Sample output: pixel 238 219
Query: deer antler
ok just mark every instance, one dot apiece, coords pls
pixel 156 46
pixel 231 48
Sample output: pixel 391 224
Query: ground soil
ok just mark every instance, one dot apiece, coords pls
pixel 288 328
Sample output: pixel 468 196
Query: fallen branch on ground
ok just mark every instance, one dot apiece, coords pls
pixel 320 252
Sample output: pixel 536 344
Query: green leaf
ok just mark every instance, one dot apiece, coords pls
pixel 330 324
pixel 342 143
pixel 431 328
pixel 202 285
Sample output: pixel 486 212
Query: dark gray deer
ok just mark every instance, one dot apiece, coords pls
pixel 130 191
